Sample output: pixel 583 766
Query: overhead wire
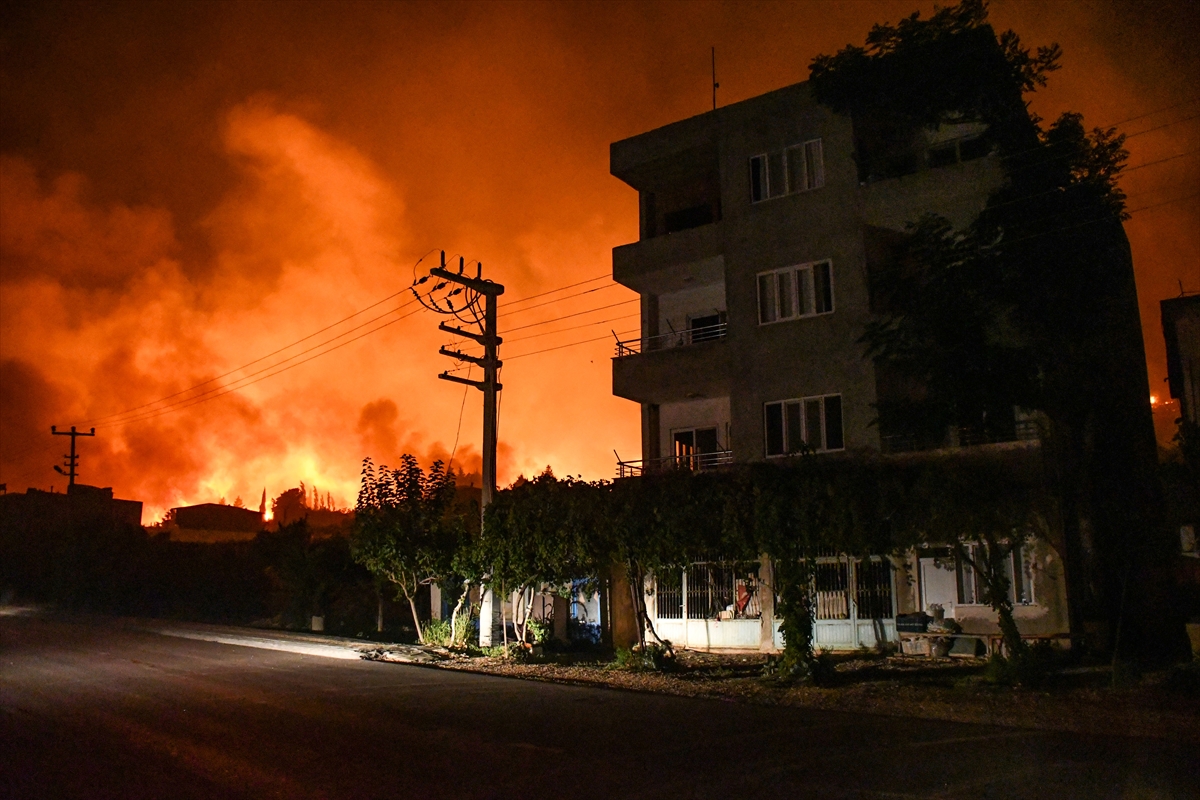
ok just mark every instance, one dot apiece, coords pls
pixel 153 413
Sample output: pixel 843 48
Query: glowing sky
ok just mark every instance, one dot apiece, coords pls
pixel 186 188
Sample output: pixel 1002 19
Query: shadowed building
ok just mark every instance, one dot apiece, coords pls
pixel 213 522
pixel 759 236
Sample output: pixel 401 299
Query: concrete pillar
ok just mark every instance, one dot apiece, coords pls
pixel 435 601
pixel 562 612
pixel 490 633
pixel 766 600
pixel 624 623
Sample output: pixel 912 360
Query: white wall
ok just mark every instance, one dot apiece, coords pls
pixel 705 412
pixel 674 308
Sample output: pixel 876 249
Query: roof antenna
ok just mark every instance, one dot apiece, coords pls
pixel 714 77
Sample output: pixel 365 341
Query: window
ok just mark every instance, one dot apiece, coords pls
pixel 797 169
pixel 696 448
pixel 809 423
pixel 949 581
pixel 706 327
pixel 972 590
pixel 952 152
pixel 806 166
pixel 793 292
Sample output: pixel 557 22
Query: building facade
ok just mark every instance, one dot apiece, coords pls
pixel 758 239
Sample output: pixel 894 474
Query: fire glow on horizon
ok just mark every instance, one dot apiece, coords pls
pixel 180 200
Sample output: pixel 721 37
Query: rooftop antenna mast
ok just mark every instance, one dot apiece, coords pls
pixel 714 77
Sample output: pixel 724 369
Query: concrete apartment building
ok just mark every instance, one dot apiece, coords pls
pixel 758 237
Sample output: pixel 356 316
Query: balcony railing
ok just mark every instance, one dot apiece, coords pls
pixel 665 341
pixel 1024 431
pixel 692 461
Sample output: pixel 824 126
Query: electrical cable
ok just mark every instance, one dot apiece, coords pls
pixel 559 289
pixel 557 300
pixel 572 344
pixel 458 432
pixel 232 388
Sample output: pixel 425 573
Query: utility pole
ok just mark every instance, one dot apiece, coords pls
pixel 72 459
pixel 474 290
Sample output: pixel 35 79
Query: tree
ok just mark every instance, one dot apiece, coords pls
pixel 539 534
pixel 1032 305
pixel 404 531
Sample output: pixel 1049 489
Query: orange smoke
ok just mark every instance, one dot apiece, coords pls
pixel 182 193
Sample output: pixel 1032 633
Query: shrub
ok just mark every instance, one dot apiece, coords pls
pixel 651 658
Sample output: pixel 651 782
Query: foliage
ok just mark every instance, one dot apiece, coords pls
pixel 405 531
pixel 439 632
pixel 1031 667
pixel 921 72
pixel 1032 305
pixel 645 658
pixel 540 534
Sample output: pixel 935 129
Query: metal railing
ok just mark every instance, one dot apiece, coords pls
pixel 1024 431
pixel 664 341
pixel 692 461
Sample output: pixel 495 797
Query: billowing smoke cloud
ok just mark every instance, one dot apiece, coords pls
pixel 187 187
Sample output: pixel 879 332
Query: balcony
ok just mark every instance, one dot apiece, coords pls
pixel 672 261
pixel 695 462
pixel 665 341
pixel 679 366
pixel 1024 431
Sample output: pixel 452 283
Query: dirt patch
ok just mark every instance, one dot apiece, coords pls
pixel 1079 700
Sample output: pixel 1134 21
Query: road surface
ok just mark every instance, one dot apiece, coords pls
pixel 97 709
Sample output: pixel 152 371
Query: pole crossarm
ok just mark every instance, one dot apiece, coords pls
pixel 480 385
pixel 486 288
pixel 478 337
pixel 479 362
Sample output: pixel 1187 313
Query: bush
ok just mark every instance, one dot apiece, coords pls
pixel 437 632
pixel 654 658
pixel 815 671
pixel 541 630
pixel 1032 667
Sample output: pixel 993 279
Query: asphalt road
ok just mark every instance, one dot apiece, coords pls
pixel 95 709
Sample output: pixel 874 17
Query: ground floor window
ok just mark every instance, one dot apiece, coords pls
pixel 840 581
pixel 948 580
pixel 713 590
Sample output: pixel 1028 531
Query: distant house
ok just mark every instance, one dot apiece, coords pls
pixel 80 504
pixel 213 522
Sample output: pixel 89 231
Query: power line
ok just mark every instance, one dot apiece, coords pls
pixel 573 328
pixel 257 360
pixel 512 303
pixel 233 388
pixel 559 299
pixel 572 344
pixel 576 314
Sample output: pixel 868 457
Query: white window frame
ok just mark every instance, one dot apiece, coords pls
pixel 809 182
pixel 801 275
pixel 803 403
pixel 965 572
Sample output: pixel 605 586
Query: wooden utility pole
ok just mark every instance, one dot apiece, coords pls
pixel 468 312
pixel 72 459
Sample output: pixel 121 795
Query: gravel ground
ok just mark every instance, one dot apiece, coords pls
pixel 944 689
